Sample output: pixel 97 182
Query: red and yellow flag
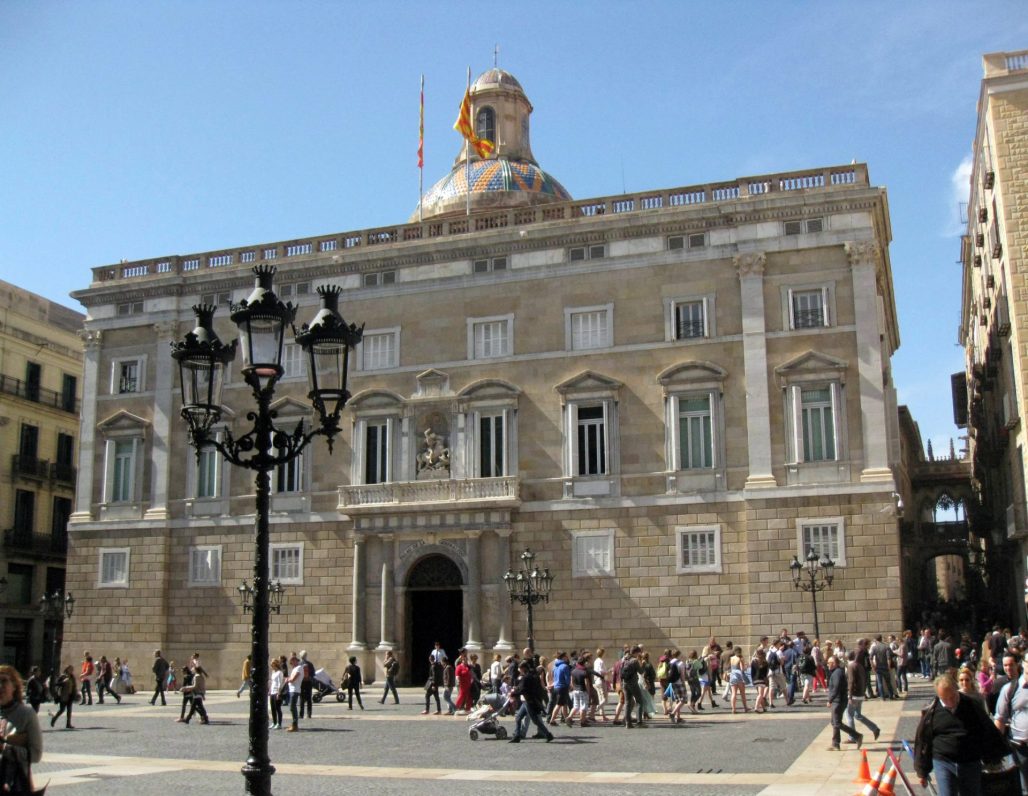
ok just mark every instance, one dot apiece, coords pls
pixel 483 146
pixel 421 127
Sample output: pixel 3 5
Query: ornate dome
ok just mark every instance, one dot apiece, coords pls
pixel 510 176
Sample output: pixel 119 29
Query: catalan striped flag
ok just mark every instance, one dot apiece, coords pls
pixel 483 146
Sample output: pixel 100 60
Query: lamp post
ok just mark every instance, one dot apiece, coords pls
pixel 326 341
pixel 54 608
pixel 813 575
pixel 529 587
pixel 276 591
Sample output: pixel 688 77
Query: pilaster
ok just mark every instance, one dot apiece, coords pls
pixel 91 339
pixel 160 459
pixel 357 642
pixel 503 607
pixel 473 592
pixel 386 640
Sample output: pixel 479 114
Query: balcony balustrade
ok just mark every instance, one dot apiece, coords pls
pixel 45 545
pixel 31 467
pixel 485 491
pixel 40 395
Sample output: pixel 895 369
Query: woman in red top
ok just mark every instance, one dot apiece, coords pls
pixel 464 677
pixel 86 675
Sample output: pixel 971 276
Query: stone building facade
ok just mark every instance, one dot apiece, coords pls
pixel 665 395
pixel 40 389
pixel 989 395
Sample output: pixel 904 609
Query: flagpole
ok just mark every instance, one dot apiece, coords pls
pixel 421 153
pixel 467 151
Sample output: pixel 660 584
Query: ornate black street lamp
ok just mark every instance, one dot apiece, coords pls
pixel 276 591
pixel 813 575
pixel 529 587
pixel 262 319
pixel 54 608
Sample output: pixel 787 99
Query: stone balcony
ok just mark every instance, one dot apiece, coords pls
pixel 415 495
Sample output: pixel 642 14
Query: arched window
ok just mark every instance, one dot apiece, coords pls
pixel 485 124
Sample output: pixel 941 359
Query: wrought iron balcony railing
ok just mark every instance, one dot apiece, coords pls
pixel 40 395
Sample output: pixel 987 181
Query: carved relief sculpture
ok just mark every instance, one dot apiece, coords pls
pixel 434 458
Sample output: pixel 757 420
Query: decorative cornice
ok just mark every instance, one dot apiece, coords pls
pixel 865 252
pixel 750 264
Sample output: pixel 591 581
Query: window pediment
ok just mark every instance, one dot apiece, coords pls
pixel 290 407
pixel 812 366
pixel 376 399
pixel 489 389
pixel 123 421
pixel 432 384
pixel 589 384
pixel 693 374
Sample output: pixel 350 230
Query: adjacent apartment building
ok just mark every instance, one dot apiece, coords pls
pixel 665 395
pixel 40 365
pixel 989 396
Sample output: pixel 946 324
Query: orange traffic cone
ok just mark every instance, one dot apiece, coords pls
pixel 871 788
pixel 864 774
pixel 888 786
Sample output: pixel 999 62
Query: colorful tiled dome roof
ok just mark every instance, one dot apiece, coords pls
pixel 508 182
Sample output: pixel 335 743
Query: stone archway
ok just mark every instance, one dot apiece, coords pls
pixel 435 611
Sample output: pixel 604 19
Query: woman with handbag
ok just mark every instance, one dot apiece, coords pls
pixel 67 694
pixel 21 742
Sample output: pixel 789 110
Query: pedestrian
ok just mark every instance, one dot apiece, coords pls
pixel 476 678
pixel 307 686
pixel 245 675
pixel 294 680
pixel 631 672
pixel 275 685
pixel 126 677
pixel 924 653
pixel 953 737
pixel 449 680
pixel 759 676
pixel 172 678
pixel 160 673
pixel 432 684
pixel 777 686
pixel 104 676
pixel 856 677
pixel 67 695
pixel 560 699
pixel 21 742
pixel 649 685
pixel 737 680
pixel 464 678
pixel 495 674
pixel 1012 719
pixel 391 668
pixel 352 677
pixel 944 657
pixel 533 697
pixel 199 692
pixel 580 677
pixel 187 692
pixel 86 675
pixel 838 699
pixel 35 690
pixel 880 657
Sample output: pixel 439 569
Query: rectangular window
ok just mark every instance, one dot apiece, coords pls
pixel 28 441
pixel 289 476
pixel 818 424
pixel 809 308
pixel 19 584
pixel 61 515
pixel 699 550
pixel 809 225
pixel 24 511
pixel 590 329
pixel 114 566
pixel 134 307
pixel 823 536
pixel 491 264
pixel 293 362
pixel 592 442
pixel 592 554
pixel 69 386
pixel 205 565
pixel 380 278
pixel 376 452
pixel 695 437
pixel 128 376
pixel 594 252
pixel 379 350
pixel 490 446
pixel 123 474
pixel 33 380
pixel 492 339
pixel 690 319
pixel 216 299
pixel 287 563
pixel 208 467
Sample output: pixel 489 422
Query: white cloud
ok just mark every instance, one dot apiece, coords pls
pixel 960 182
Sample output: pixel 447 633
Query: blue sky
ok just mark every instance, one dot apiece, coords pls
pixel 139 129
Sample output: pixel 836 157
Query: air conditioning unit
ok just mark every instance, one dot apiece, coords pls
pixel 990 179
pixel 983 214
pixel 1010 416
pixel 1002 316
pixel 977 261
pixel 997 249
pixel 979 240
pixel 987 302
pixel 990 281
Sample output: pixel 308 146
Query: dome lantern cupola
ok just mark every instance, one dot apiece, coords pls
pixel 510 176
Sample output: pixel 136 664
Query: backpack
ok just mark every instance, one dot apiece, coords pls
pixel 703 668
pixel 774 663
pixel 673 674
pixel 662 670
pixel 802 663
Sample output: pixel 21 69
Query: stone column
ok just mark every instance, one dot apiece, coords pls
pixel 473 591
pixel 91 339
pixel 750 267
pixel 503 608
pixel 160 460
pixel 386 640
pixel 864 258
pixel 357 642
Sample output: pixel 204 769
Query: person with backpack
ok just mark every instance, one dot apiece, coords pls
pixel 759 674
pixel 581 676
pixel 805 669
pixel 67 694
pixel 776 677
pixel 675 688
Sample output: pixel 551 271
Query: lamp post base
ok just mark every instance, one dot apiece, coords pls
pixel 258 777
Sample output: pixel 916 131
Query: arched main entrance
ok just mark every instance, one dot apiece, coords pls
pixel 435 612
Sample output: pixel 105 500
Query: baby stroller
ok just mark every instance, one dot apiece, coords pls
pixel 485 721
pixel 322 685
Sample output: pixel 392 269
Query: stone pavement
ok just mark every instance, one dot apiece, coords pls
pixel 138 749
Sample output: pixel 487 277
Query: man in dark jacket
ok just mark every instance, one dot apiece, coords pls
pixel 160 673
pixel 838 697
pixel 630 672
pixel 533 700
